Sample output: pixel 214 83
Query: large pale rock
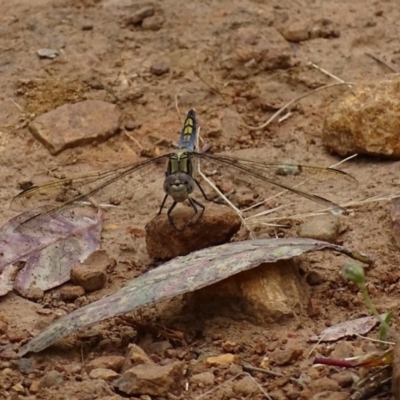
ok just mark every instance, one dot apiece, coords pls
pixel 72 125
pixel 366 120
pixel 217 225
pixel 270 292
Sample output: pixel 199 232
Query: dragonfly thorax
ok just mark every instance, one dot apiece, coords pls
pixel 179 186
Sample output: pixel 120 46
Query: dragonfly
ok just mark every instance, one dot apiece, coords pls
pixel 180 181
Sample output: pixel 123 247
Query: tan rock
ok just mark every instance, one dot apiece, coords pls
pixel 270 292
pixel 103 373
pixel 323 227
pixel 366 120
pixel 114 363
pixel 72 125
pixel 135 356
pixel 152 379
pixel 223 360
pixel 92 274
pixel 217 225
pixel 71 292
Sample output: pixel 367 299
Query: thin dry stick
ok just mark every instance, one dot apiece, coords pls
pixel 325 72
pixel 134 140
pixel 213 89
pixel 295 100
pixel 381 61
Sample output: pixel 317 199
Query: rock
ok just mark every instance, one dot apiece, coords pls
pixel 114 363
pixel 223 360
pixel 286 357
pixel 343 378
pixel 366 120
pixel 87 26
pixel 270 292
pixel 159 68
pixel 51 379
pixel 329 395
pixel 324 28
pixel 153 380
pixel 132 125
pixel 153 23
pixel 322 227
pixel 296 31
pixel 92 274
pixel 47 53
pixel 72 125
pixel 103 373
pixel 3 327
pixel 246 386
pixel 71 292
pixel 203 379
pixel 140 15
pixel 265 48
pixel 324 384
pixel 158 347
pixel 135 356
pixel 217 225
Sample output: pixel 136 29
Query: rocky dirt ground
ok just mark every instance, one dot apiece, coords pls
pixel 233 61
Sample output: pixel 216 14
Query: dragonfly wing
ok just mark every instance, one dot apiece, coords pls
pixel 306 181
pixel 112 187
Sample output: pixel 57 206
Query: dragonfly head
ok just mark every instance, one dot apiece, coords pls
pixel 179 186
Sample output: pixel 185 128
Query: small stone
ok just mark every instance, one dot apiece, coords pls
pixel 87 26
pixel 24 365
pixel 343 378
pixel 114 363
pixel 159 68
pixel 72 125
pixel 287 356
pixel 103 373
pixel 143 13
pixel 153 23
pixel 71 292
pixel 47 53
pixel 323 227
pixel 313 278
pixel 223 360
pixel 204 379
pixel 229 346
pixel 329 395
pixel 245 386
pixel 92 274
pixel 3 327
pixel 158 347
pixel 132 125
pixel 153 380
pixel 366 119
pixel 324 384
pixel 35 386
pixel 135 356
pixel 18 388
pixel 216 226
pixel 51 379
pixel 295 31
pixel 324 28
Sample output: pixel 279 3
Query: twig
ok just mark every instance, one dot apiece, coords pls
pixel 15 103
pixel 325 72
pixel 134 140
pixel 381 61
pixel 296 99
pixel 213 89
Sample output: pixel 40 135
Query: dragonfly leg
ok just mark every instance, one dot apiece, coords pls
pixel 216 201
pixel 163 204
pixel 171 221
pixel 193 203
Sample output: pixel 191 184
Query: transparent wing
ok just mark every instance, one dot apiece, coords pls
pixel 112 187
pixel 306 181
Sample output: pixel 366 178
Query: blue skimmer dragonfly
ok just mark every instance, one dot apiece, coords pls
pixel 179 180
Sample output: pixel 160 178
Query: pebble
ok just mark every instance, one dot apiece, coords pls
pixel 47 53
pixel 72 125
pixel 51 379
pixel 323 227
pixel 132 125
pixel 295 31
pixel 153 380
pixel 223 360
pixel 366 119
pixel 329 395
pixel 103 373
pixel 158 347
pixel 343 378
pixel 245 386
pixel 87 26
pixel 71 292
pixel 287 356
pixel 92 274
pixel 143 13
pixel 135 356
pixel 159 68
pixel 114 363
pixel 153 23
pixel 3 327
pixel 204 378
pixel 217 225
pixel 324 384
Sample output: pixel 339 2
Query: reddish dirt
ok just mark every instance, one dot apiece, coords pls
pixel 104 57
